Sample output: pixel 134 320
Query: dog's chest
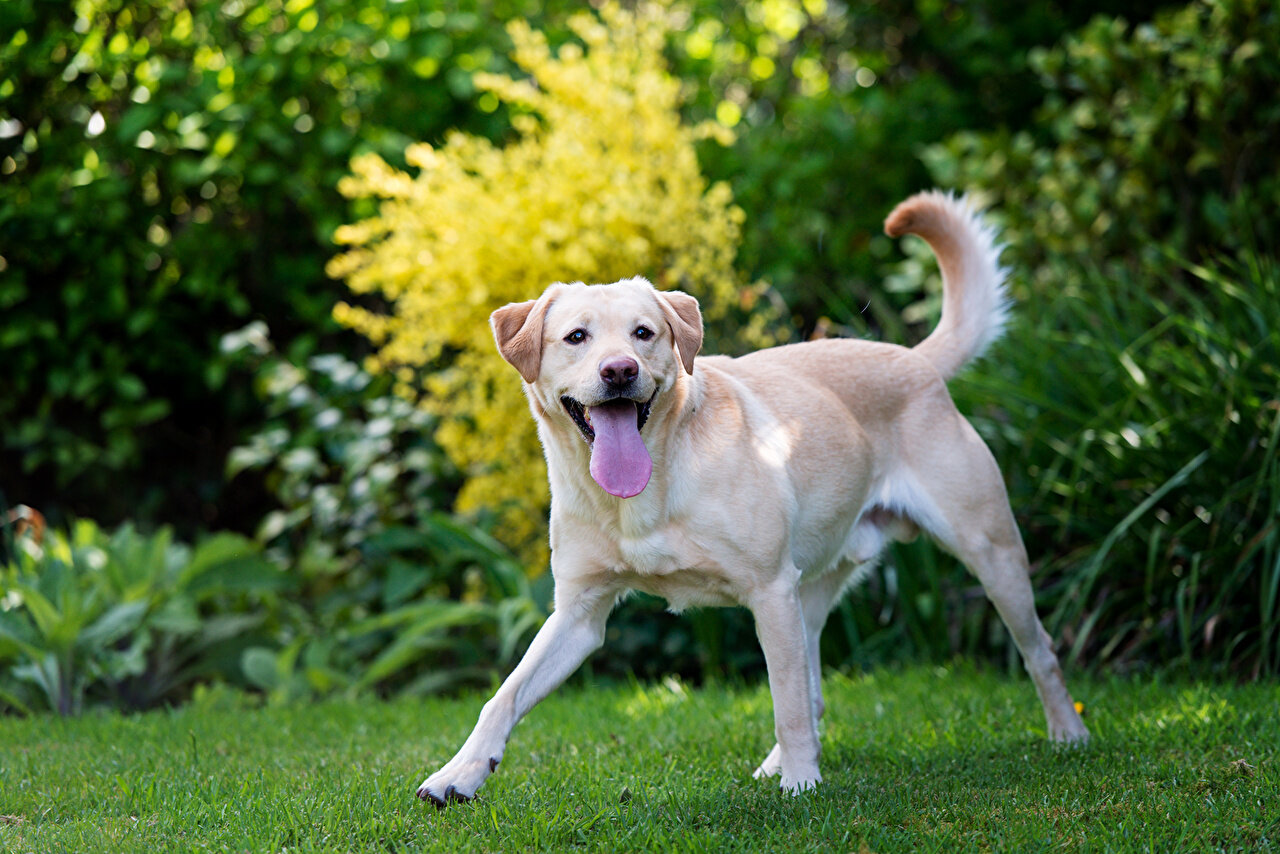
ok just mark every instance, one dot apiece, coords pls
pixel 651 553
pixel 664 564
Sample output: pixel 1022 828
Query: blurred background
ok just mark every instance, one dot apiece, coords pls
pixel 247 419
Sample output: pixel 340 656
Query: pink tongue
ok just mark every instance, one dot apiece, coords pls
pixel 619 460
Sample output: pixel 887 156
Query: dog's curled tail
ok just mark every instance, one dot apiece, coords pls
pixel 975 301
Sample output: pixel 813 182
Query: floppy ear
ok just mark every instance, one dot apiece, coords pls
pixel 517 327
pixel 685 322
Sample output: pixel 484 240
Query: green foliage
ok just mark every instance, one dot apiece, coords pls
pixel 167 173
pixel 836 102
pixel 382 592
pixel 388 593
pixel 1151 138
pixel 341 455
pixel 1145 457
pixel 125 618
pixel 135 621
pixel 431 608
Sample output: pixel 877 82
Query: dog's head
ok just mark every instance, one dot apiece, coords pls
pixel 598 359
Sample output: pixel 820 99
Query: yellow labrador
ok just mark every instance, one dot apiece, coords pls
pixel 764 481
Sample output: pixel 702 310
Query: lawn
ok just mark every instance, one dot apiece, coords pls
pixel 919 758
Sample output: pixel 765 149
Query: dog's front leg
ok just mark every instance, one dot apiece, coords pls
pixel 780 627
pixel 573 631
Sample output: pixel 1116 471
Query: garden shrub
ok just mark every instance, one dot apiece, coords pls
pixel 1152 138
pixel 387 592
pixel 341 456
pixel 124 618
pixel 1145 447
pixel 168 173
pixel 832 104
pixel 600 181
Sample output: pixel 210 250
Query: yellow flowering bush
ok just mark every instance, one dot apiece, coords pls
pixel 599 182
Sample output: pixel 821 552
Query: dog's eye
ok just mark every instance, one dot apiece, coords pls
pixel 644 333
pixel 577 336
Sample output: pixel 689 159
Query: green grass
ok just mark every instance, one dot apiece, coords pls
pixel 916 759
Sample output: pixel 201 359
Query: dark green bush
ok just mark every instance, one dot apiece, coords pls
pixel 168 172
pixel 1152 138
pixel 837 102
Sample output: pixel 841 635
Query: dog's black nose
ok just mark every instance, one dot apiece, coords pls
pixel 617 372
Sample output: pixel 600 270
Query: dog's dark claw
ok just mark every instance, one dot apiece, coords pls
pixel 452 794
pixel 493 763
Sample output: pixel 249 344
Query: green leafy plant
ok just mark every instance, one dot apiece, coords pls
pixel 831 105
pixel 391 593
pixel 1150 138
pixel 1146 458
pixel 125 618
pixel 342 456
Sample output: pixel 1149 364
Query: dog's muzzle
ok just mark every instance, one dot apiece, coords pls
pixel 620 461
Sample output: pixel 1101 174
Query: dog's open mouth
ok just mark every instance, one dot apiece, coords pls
pixel 620 461
pixel 581 415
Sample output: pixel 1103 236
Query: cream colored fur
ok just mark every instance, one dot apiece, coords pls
pixel 776 477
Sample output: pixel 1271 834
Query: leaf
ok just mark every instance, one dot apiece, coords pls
pixel 117 622
pixel 45 673
pixel 403 580
pixel 259 667
pixel 218 549
pixel 433 613
pixel 17 632
pixel 407 649
pixel 397 538
pixel 248 574
pixel 56 628
pixel 177 616
pixel 8 698
pixel 223 626
pixel 411 644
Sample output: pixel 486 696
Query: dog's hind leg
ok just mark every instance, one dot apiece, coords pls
pixel 573 631
pixel 953 489
pixel 817 597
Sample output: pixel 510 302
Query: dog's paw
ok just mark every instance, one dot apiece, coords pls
pixel 1072 733
pixel 1065 725
pixel 800 783
pixel 771 766
pixel 457 781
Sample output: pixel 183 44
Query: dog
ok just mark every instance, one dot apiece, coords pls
pixel 767 480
